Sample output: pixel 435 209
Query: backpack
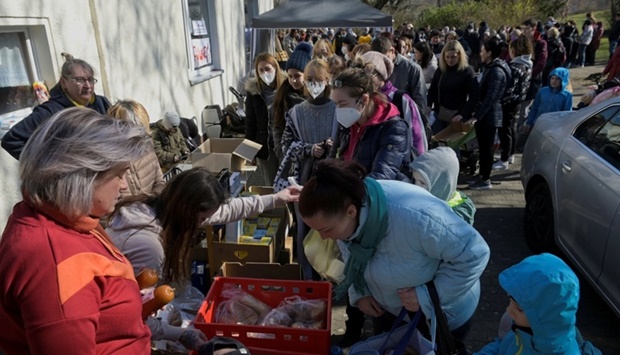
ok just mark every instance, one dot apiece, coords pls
pixel 397 100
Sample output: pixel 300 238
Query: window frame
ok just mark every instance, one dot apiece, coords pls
pixel 32 67
pixel 211 70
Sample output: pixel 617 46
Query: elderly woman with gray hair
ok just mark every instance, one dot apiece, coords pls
pixel 76 88
pixel 65 286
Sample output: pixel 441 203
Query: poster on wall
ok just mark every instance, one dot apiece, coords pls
pixel 202 52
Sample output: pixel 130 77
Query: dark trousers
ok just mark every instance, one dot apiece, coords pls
pixel 486 137
pixel 507 132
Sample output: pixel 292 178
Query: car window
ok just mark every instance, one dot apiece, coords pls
pixel 602 135
pixel 587 130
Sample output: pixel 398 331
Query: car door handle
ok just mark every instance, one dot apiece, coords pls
pixel 567 166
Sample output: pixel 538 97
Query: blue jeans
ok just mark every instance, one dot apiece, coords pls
pixel 581 59
pixel 612 48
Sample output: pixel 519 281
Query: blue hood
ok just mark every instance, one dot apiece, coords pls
pixel 561 73
pixel 547 290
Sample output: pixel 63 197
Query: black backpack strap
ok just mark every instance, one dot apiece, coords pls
pixel 397 100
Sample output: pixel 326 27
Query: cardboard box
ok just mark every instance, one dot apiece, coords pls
pixel 225 153
pixel 261 271
pixel 221 251
pixel 455 135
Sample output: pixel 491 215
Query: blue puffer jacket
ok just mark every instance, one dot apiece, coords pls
pixel 547 290
pixel 425 241
pixel 495 78
pixel 549 99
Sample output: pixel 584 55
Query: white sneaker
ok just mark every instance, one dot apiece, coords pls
pixel 511 159
pixel 500 165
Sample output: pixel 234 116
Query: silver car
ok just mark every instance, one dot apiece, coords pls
pixel 571 176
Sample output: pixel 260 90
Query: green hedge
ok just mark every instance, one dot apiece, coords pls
pixel 494 12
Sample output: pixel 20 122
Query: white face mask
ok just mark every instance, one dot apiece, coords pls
pixel 344 50
pixel 268 77
pixel 347 116
pixel 315 88
pixel 346 57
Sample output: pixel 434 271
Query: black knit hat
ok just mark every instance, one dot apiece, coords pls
pixel 300 57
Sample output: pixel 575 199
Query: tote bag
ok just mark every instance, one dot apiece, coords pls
pixel 398 339
pixel 324 256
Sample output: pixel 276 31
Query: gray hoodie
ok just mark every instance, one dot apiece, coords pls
pixel 439 170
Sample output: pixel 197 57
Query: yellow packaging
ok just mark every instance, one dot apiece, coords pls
pixel 271 231
pixel 275 222
pixel 263 222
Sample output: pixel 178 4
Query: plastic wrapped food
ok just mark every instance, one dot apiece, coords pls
pixel 234 312
pixel 278 317
pixel 305 311
pixel 232 292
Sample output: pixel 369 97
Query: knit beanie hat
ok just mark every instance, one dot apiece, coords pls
pixel 171 119
pixel 383 65
pixel 300 57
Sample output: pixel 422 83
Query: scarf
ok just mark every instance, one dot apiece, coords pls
pixel 362 248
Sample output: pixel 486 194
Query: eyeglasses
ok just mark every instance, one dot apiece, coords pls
pixel 81 81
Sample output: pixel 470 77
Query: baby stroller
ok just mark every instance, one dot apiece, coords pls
pixel 233 122
pixel 462 139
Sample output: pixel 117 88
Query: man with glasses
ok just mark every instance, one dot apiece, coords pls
pixel 76 87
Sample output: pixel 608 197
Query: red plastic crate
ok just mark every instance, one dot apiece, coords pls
pixel 263 340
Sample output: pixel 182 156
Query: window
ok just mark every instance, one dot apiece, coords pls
pixel 200 40
pixel 17 73
pixel 601 133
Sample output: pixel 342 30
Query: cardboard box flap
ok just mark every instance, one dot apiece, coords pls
pixel 257 270
pixel 247 149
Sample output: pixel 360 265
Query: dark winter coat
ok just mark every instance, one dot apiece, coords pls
pixel 495 78
pixel 556 55
pixel 257 120
pixel 614 34
pixel 454 90
pixel 15 139
pixel 540 61
pixel 519 84
pixel 384 147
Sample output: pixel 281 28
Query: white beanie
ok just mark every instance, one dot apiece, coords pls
pixel 171 119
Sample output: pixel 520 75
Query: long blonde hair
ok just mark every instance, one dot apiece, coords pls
pixel 132 111
pixel 453 46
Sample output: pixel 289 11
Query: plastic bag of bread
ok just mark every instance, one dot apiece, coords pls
pixel 234 312
pixel 309 312
pixel 233 292
pixel 278 317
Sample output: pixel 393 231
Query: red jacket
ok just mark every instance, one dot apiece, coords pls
pixel 65 288
pixel 613 66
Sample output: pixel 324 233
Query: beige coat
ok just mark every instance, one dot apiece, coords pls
pixel 144 176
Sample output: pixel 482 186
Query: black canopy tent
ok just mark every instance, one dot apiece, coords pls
pixel 311 14
pixel 320 14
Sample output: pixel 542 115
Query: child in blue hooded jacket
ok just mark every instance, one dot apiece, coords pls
pixel 551 98
pixel 544 295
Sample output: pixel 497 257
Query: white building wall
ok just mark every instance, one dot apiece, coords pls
pixel 138 50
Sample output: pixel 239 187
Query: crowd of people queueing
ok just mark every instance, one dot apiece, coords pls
pixel 350 119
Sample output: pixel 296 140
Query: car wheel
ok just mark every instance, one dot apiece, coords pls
pixel 538 219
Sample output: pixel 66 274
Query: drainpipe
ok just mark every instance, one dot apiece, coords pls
pixel 102 69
